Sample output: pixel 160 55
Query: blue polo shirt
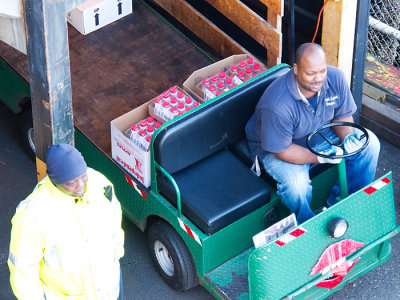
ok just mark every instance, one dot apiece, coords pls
pixel 284 116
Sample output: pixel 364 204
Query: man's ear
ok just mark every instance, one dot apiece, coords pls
pixel 295 69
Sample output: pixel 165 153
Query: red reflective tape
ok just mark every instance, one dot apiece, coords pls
pixel 376 186
pixel 129 180
pixel 134 185
pixel 192 234
pixel 287 238
pixel 298 232
pixel 280 243
pixel 189 231
pixel 370 190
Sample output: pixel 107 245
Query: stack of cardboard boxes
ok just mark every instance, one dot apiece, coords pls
pixel 134 154
pixel 194 84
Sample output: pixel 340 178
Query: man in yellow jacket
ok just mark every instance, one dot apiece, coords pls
pixel 66 238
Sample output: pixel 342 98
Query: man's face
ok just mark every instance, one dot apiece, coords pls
pixel 75 187
pixel 310 73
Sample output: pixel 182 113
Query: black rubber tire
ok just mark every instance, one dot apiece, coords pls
pixel 26 130
pixel 184 275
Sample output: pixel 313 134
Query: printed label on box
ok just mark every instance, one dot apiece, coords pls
pixel 132 158
pixel 136 168
pixel 145 145
pixel 166 115
pixel 208 95
pixel 236 80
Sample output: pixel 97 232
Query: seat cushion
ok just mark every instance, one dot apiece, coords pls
pixel 216 191
pixel 242 151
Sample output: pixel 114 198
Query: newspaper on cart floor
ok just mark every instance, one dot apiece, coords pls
pixel 274 231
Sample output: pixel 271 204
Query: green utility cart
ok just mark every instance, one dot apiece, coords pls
pixel 205 204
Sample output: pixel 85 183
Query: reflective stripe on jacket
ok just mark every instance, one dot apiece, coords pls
pixel 67 248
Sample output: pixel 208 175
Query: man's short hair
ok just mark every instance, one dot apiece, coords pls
pixel 303 47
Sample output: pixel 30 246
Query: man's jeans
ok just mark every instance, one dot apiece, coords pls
pixel 294 184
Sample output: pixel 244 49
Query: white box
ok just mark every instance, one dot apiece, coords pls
pixel 126 153
pixel 94 14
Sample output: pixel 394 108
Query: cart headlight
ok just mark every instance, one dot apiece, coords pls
pixel 337 227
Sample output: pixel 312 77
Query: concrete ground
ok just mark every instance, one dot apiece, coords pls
pixel 18 178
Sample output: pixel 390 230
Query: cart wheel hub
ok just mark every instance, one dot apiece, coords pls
pixel 31 139
pixel 163 258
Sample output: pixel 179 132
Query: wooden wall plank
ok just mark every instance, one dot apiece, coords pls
pixel 255 26
pixel 274 5
pixel 275 20
pixel 338 34
pixel 70 4
pixel 272 60
pixel 50 81
pixel 202 27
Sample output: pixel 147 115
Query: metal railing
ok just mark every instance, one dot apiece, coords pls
pixel 384 31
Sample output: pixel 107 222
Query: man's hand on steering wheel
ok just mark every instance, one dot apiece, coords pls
pixel 352 143
pixel 333 150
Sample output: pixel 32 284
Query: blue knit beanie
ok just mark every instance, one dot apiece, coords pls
pixel 64 163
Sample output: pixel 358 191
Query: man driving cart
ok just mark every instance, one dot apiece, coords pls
pixel 310 95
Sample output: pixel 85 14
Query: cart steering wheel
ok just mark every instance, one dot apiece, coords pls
pixel 338 144
pixel 341 166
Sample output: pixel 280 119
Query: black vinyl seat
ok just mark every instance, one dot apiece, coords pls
pixel 216 191
pixel 216 187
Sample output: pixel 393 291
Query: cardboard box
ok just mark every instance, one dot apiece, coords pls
pixel 94 14
pixel 126 153
pixel 165 118
pixel 193 84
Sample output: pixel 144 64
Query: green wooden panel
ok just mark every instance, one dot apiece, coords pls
pixel 132 203
pixel 13 88
pixel 276 271
pixel 237 237
pixel 135 207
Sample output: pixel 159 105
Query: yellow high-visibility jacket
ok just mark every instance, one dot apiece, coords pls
pixel 67 248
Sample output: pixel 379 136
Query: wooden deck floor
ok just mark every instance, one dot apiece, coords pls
pixel 119 67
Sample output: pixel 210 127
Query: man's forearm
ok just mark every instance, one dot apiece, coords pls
pixel 299 155
pixel 343 131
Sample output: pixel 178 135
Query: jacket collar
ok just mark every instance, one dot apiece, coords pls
pixel 60 195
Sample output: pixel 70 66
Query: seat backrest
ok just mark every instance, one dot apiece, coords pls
pixel 212 126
